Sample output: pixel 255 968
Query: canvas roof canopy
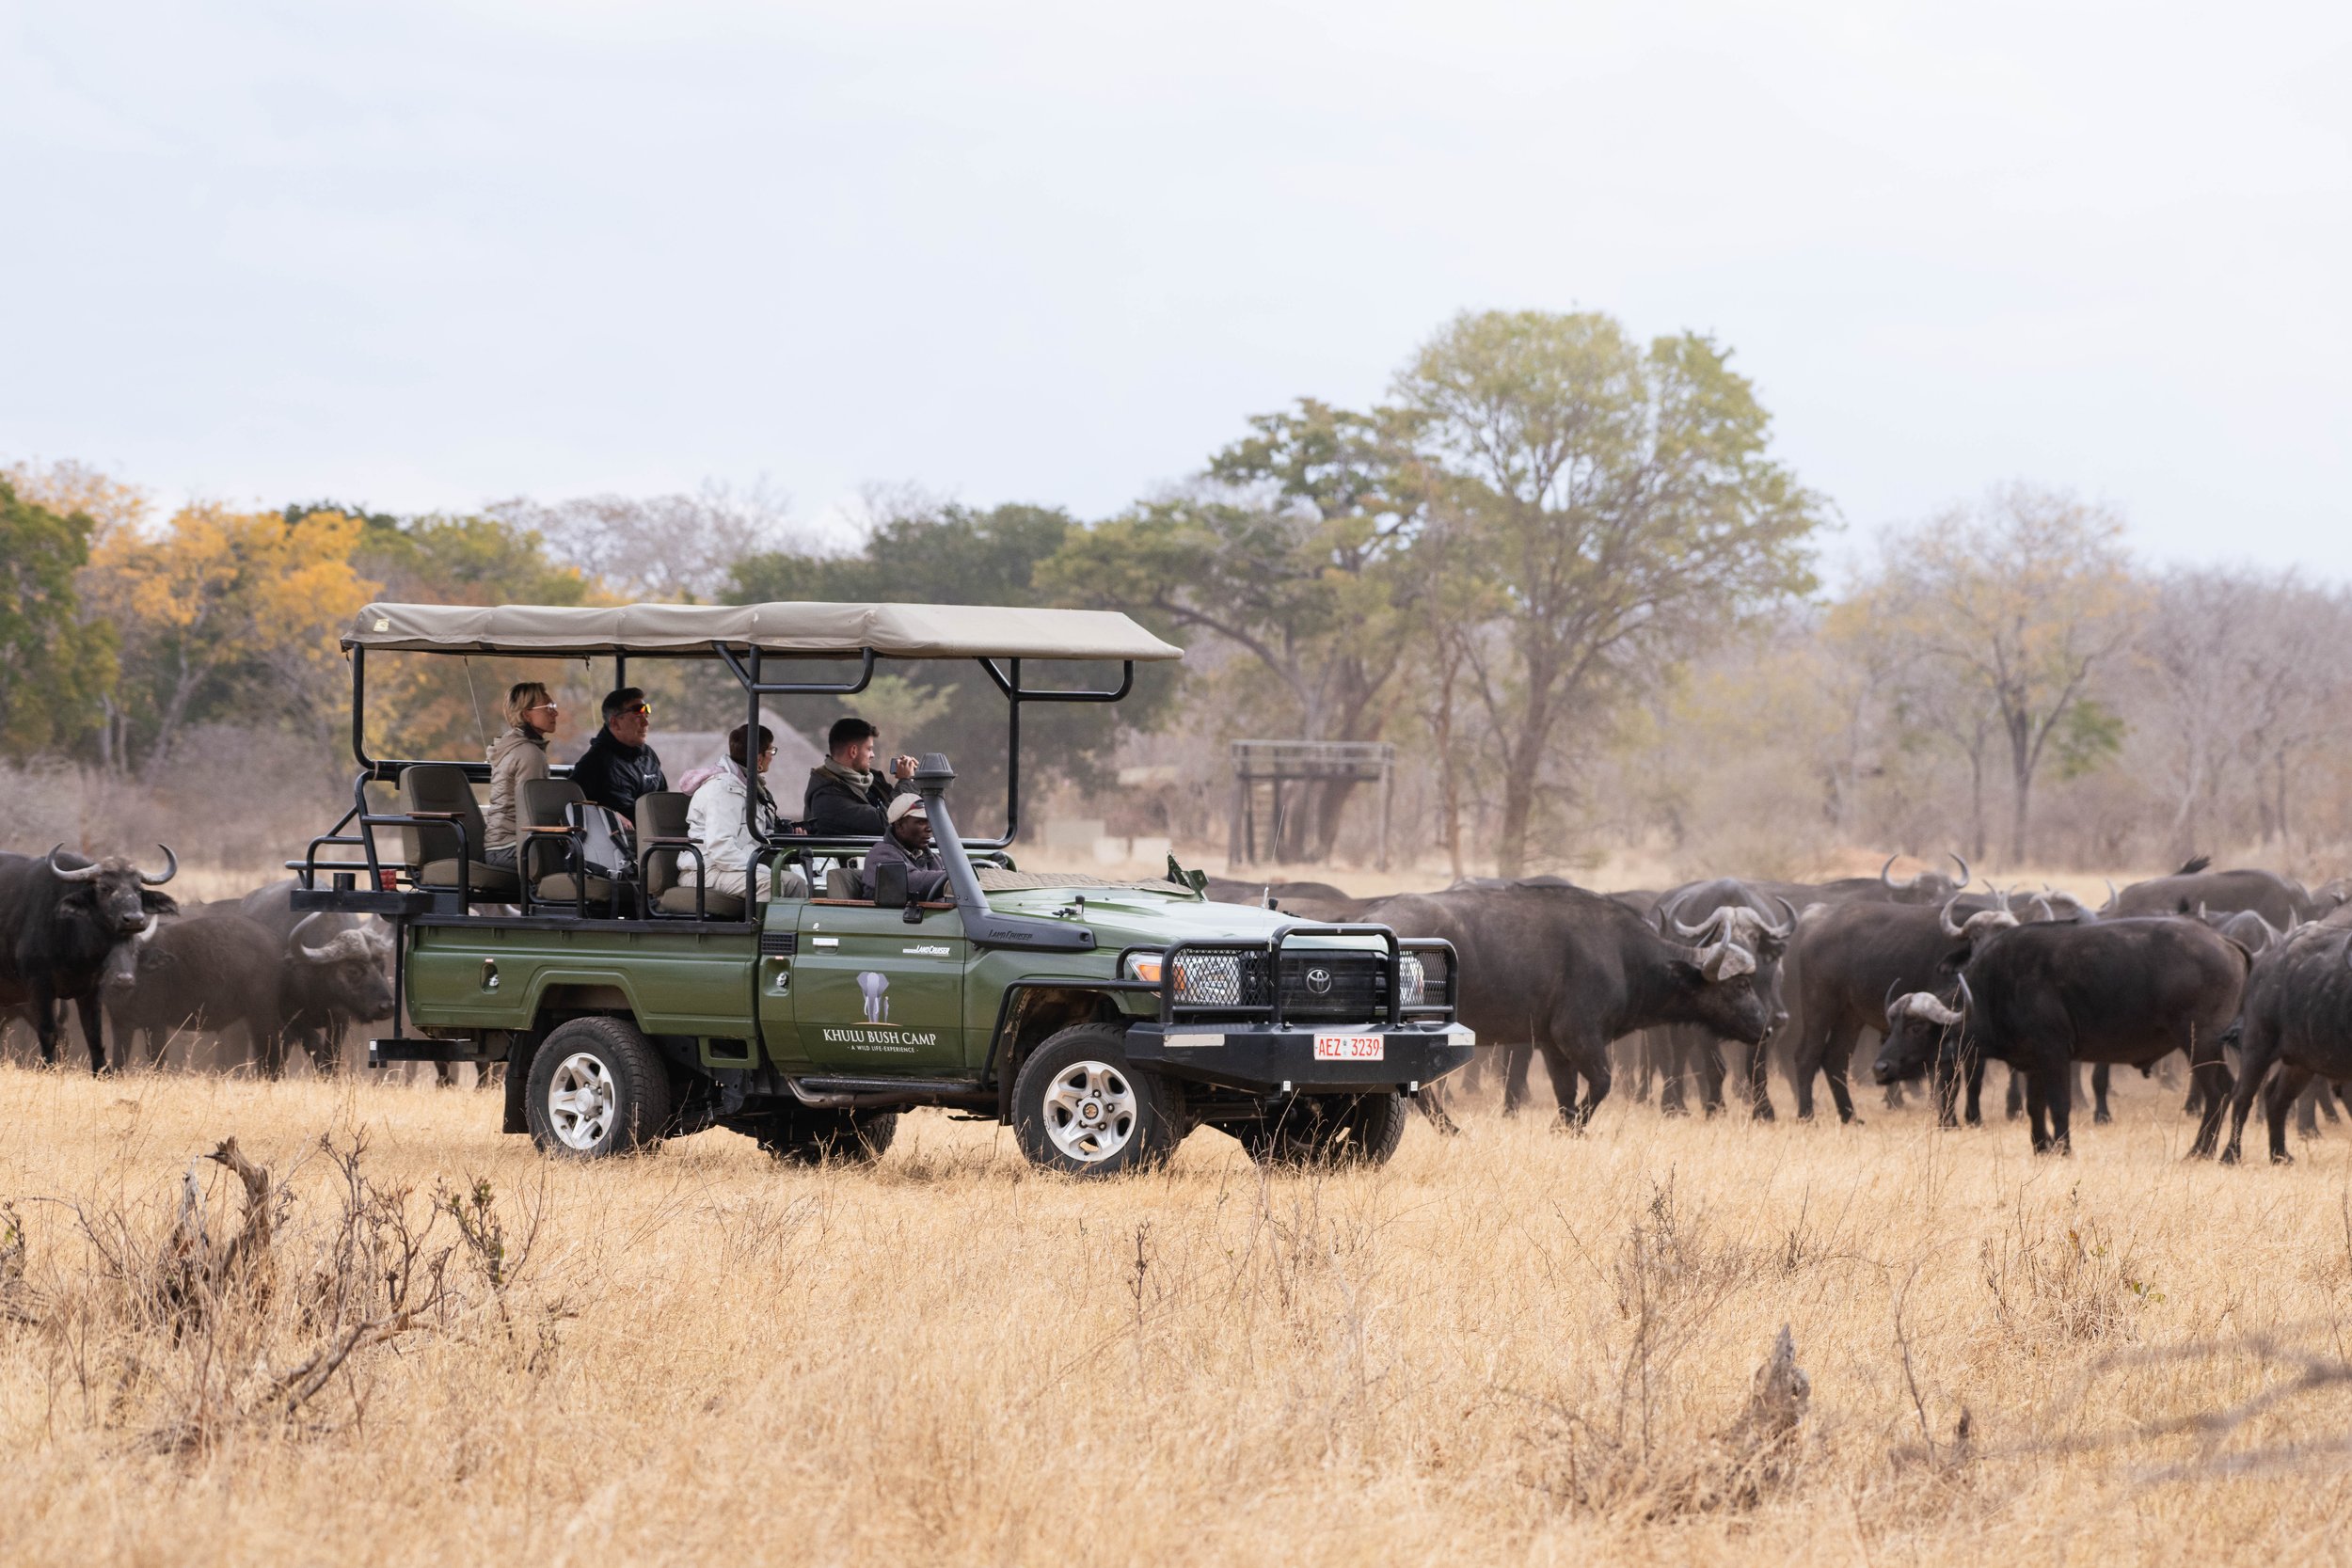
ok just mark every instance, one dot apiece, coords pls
pixel 841 631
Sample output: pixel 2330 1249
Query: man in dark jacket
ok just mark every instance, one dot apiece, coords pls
pixel 908 843
pixel 847 796
pixel 618 765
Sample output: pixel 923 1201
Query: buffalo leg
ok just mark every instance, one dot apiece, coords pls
pixel 1666 1046
pixel 2214 1089
pixel 1585 1058
pixel 1759 1080
pixel 2100 1078
pixel 93 1033
pixel 2018 1089
pixel 2286 1087
pixel 1706 1055
pixel 1517 1060
pixel 2037 1096
pixel 1834 1062
pixel 1644 1064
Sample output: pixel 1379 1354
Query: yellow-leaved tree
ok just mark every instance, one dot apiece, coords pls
pixel 223 612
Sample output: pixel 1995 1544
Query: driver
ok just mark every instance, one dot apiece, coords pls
pixel 909 844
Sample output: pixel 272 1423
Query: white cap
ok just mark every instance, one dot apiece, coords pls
pixel 907 805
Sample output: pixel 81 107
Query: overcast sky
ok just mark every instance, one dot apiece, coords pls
pixel 425 256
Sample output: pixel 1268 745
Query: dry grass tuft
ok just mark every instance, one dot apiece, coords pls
pixel 339 1321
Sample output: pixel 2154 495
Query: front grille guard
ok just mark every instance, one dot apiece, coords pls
pixel 1267 1002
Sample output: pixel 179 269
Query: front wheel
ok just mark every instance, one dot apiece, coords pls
pixel 1078 1107
pixel 596 1089
pixel 1328 1129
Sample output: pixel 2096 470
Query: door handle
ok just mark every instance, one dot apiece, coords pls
pixel 824 941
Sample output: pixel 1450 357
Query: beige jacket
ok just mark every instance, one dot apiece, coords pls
pixel 516 758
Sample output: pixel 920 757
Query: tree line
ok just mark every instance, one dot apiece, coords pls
pixel 1559 566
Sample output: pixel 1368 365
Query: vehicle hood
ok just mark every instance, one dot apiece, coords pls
pixel 1130 917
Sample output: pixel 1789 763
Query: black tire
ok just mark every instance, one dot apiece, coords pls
pixel 1328 1129
pixel 804 1135
pixel 1078 1107
pixel 616 1091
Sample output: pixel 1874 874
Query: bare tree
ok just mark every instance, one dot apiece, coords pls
pixel 2024 597
pixel 660 547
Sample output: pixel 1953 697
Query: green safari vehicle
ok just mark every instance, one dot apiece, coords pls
pixel 1102 1020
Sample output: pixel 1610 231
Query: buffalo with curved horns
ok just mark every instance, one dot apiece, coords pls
pixel 62 918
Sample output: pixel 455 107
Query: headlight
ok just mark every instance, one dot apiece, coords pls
pixel 1412 980
pixel 1203 979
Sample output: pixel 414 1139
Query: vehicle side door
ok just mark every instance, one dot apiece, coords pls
pixel 875 995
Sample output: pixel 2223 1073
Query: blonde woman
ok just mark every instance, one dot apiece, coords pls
pixel 517 756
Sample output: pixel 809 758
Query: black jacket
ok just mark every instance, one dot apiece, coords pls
pixel 927 874
pixel 612 774
pixel 834 808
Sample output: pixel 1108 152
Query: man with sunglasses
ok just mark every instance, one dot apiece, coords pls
pixel 618 765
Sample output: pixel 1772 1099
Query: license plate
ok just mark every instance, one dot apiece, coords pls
pixel 1350 1048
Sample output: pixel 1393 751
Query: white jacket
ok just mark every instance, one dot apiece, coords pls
pixel 714 820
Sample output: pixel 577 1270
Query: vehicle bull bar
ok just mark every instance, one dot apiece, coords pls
pixel 1272 1008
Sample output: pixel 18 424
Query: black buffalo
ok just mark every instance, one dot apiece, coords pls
pixel 62 916
pixel 2297 1018
pixel 209 972
pixel 1851 958
pixel 2040 997
pixel 1758 917
pixel 338 972
pixel 1550 967
pixel 2280 900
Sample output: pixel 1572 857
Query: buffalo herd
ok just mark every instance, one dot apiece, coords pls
pixel 102 935
pixel 1948 975
pixel 2208 964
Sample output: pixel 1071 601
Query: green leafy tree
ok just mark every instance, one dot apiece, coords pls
pixel 1298 555
pixel 1620 505
pixel 55 664
pixel 932 553
pixel 438 707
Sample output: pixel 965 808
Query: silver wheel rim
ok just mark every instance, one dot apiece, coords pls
pixel 581 1100
pixel 1091 1111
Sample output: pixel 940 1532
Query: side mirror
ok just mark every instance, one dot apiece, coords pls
pixel 890 885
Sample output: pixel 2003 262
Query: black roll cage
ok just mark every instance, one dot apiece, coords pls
pixel 748 664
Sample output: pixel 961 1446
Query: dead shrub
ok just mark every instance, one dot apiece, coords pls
pixel 233 1309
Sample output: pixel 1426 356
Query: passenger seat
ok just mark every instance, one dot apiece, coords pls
pixel 431 848
pixel 547 819
pixel 660 831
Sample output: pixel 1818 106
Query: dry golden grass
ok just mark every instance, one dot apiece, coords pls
pixel 1519 1346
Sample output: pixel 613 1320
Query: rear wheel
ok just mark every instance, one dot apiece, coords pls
pixel 1328 1129
pixel 805 1136
pixel 597 1088
pixel 1078 1106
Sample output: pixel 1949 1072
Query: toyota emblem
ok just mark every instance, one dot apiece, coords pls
pixel 1319 981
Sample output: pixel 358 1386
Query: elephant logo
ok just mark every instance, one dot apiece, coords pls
pixel 877 988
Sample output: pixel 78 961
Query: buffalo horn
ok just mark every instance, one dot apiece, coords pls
pixel 1889 881
pixel 172 868
pixel 79 874
pixel 2112 894
pixel 1712 928
pixel 2048 911
pixel 302 943
pixel 1782 932
pixel 1666 914
pixel 1968 1000
pixel 1944 917
pixel 1925 1004
pixel 1965 872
